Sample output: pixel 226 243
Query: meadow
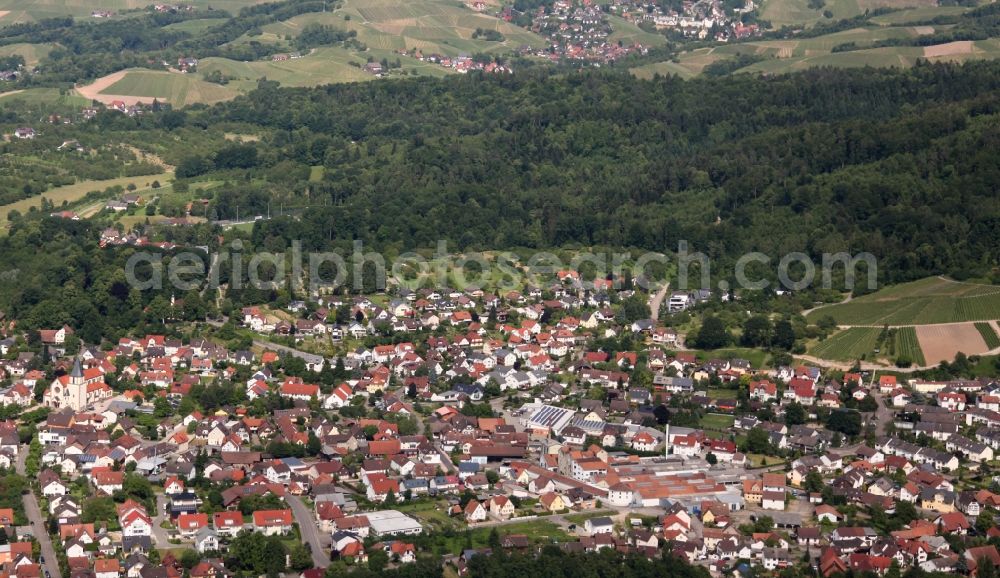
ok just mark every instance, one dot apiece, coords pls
pixel 32 10
pixel 76 191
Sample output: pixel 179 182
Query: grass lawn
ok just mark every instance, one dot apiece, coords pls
pixel 756 357
pixel 713 393
pixel 582 517
pixel 717 421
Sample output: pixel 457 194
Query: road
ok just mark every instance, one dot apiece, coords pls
pixel 38 526
pixel 656 300
pixel 864 365
pixel 310 532
pixel 277 347
pixel 160 535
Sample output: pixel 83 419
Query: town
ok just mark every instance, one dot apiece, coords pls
pixel 559 414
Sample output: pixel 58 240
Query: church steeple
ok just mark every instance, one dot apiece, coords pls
pixel 76 374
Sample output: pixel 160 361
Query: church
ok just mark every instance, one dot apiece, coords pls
pixel 77 390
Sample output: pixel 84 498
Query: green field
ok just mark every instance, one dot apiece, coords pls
pixel 323 66
pixel 628 33
pixel 433 26
pixel 76 191
pixel 47 96
pixel 196 26
pixel 908 347
pixel 928 301
pixel 791 55
pixel 797 12
pixel 989 334
pixel 717 421
pixel 176 88
pixel 31 53
pixel 862 342
pixel 31 10
pixel 848 345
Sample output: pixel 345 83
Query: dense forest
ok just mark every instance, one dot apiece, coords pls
pixel 897 163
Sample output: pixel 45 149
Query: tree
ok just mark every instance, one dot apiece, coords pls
pixel 378 560
pixel 814 481
pixel 795 414
pixel 711 459
pixel 756 332
pixel 189 558
pixel 784 335
pixel 845 421
pixel 758 442
pixel 712 334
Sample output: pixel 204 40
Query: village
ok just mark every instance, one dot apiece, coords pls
pixel 450 410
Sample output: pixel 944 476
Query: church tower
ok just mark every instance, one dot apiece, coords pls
pixel 77 387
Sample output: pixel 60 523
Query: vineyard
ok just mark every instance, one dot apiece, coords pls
pixel 989 334
pixel 924 302
pixel 869 343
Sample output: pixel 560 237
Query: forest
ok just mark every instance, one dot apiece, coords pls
pixel 897 163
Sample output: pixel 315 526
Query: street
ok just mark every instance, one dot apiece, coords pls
pixel 34 513
pixel 310 532
pixel 160 535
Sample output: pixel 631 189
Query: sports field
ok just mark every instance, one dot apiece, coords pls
pixel 928 301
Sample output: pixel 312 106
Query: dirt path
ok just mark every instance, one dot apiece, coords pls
pixel 846 300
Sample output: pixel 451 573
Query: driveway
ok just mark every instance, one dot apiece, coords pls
pixel 309 530
pixel 160 535
pixel 38 526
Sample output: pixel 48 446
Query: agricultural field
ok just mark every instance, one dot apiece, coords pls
pixel 928 301
pixel 989 333
pixel 52 97
pixel 326 65
pixel 628 33
pixel 12 11
pixel 797 12
pixel 433 26
pixel 196 26
pixel 943 342
pixel 848 345
pixel 176 88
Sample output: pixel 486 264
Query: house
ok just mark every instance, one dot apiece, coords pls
pixel 773 500
pixel 500 507
pixel 553 502
pixel 272 522
pixel 474 512
pixel 600 525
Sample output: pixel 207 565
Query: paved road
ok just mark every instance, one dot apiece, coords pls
pixel 310 532
pixel 656 300
pixel 305 355
pixel 38 526
pixel 160 535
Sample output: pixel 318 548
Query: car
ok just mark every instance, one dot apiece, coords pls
pixel 572 527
